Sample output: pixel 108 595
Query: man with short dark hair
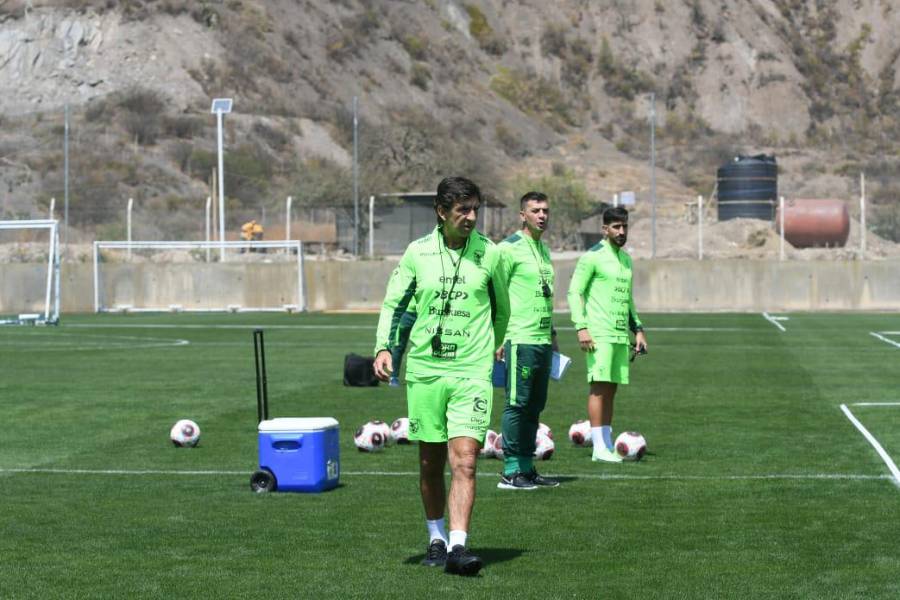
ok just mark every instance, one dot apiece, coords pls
pixel 530 343
pixel 456 276
pixel 602 306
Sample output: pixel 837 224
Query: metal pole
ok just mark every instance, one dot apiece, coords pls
pixel 653 174
pixel 66 178
pixel 355 177
pixel 52 207
pixel 96 280
pixel 287 217
pixel 862 215
pixel 221 189
pixel 128 224
pixel 371 226
pixel 207 224
pixel 615 199
pixel 700 227
pixel 781 227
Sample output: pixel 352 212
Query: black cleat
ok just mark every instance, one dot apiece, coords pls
pixel 436 555
pixel 516 481
pixel 541 481
pixel 461 562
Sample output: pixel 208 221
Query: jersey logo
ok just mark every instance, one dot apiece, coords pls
pixel 445 350
pixel 477 256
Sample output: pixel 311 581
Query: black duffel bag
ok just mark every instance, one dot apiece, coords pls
pixel 358 371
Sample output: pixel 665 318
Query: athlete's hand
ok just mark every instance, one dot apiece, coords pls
pixel 640 342
pixel 384 365
pixel 585 340
pixel 499 354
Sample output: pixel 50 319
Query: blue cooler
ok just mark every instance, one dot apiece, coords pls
pixel 301 453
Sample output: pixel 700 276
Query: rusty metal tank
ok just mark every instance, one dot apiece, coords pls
pixel 814 222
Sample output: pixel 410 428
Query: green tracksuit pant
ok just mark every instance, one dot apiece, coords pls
pixel 527 378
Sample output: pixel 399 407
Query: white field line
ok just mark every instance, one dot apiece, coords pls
pixel 73 341
pixel 351 327
pixel 884 339
pixel 773 321
pixel 878 448
pixel 764 477
pixel 875 404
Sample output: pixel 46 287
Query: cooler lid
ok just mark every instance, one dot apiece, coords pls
pixel 298 424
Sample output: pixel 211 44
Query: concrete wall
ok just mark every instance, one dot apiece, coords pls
pixel 660 286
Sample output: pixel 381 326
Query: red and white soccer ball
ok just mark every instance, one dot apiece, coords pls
pixel 370 437
pixel 385 431
pixel 185 433
pixel 487 451
pixel 498 446
pixel 580 433
pixel 631 445
pixel 543 446
pixel 544 429
pixel 400 430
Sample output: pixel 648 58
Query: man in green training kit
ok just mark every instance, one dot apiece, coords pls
pixel 603 311
pixel 530 342
pixel 457 278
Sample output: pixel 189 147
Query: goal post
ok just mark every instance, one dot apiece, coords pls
pixel 176 276
pixel 30 292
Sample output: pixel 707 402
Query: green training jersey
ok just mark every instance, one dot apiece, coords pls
pixel 530 274
pixel 600 294
pixel 462 305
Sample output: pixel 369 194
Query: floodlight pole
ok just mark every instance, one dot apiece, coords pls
pixel 371 226
pixel 221 187
pixel 862 215
pixel 207 223
pixel 700 227
pixel 66 178
pixel 355 176
pixel 653 175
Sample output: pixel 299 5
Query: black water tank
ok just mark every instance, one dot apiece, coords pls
pixel 748 187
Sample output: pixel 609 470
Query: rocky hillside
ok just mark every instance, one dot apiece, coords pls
pixel 516 94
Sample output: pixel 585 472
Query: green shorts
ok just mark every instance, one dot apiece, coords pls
pixel 442 408
pixel 608 362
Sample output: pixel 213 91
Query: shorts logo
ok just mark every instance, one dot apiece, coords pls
pixel 526 372
pixel 414 426
pixel 479 405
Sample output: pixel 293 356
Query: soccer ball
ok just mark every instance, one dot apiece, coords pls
pixel 545 429
pixel 543 446
pixel 631 445
pixel 185 433
pixel 487 451
pixel 580 433
pixel 385 431
pixel 400 430
pixel 370 437
pixel 498 446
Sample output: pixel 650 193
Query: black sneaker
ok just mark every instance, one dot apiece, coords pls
pixel 436 555
pixel 516 481
pixel 541 481
pixel 462 562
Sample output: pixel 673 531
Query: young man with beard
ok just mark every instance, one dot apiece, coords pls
pixel 530 343
pixel 457 278
pixel 600 299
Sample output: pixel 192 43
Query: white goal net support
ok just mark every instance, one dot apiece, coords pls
pixel 255 276
pixel 29 272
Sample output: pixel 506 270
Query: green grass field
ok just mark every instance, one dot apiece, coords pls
pixel 756 485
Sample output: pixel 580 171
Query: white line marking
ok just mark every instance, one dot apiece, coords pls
pixel 875 404
pixel 773 321
pixel 871 438
pixel 776 476
pixel 884 339
pixel 69 341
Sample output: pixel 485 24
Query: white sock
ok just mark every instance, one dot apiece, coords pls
pixel 436 530
pixel 597 438
pixel 606 432
pixel 457 538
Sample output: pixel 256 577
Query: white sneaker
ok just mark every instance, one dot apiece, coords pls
pixel 606 455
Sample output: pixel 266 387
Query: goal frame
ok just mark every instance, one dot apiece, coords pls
pixel 292 245
pixel 50 314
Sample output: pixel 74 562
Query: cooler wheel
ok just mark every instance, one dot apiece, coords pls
pixel 263 481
